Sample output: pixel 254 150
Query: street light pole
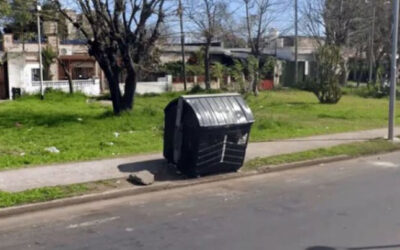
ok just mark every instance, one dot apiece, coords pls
pixel 393 69
pixel 39 8
pixel 296 47
pixel 180 13
pixel 371 48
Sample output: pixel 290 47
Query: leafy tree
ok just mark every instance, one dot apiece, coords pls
pixel 252 69
pixel 21 21
pixel 195 70
pixel 237 74
pixel 195 64
pixel 172 68
pixel 268 67
pixel 48 56
pixel 4 8
pixel 218 70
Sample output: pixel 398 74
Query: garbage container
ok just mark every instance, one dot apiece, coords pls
pixel 16 92
pixel 207 133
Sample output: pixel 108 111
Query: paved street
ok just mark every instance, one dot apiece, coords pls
pixel 80 172
pixel 348 205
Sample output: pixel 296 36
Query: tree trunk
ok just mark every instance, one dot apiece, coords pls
pixel 345 73
pixel 255 84
pixel 68 75
pixel 130 88
pixel 115 92
pixel 256 78
pixel 358 72
pixel 23 39
pixel 207 65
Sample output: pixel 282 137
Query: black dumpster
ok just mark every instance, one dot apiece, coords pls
pixel 15 93
pixel 207 133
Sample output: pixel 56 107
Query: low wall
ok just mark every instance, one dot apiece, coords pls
pixel 162 85
pixel 89 87
pixel 190 85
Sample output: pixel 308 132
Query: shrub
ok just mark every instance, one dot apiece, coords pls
pixel 196 90
pixel 199 90
pixel 217 70
pixel 49 57
pixel 172 68
pixel 237 74
pixel 325 83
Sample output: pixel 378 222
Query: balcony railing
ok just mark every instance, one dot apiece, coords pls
pixel 63 83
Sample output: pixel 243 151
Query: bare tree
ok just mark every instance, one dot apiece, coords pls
pixel 207 17
pixel 258 19
pixel 339 21
pixel 120 34
pixel 380 41
pixel 312 21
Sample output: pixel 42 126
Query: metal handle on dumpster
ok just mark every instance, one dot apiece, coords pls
pixel 178 131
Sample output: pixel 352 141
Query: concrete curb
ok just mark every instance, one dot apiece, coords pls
pixel 17 210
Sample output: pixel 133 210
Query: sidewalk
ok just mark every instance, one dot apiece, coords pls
pixel 71 173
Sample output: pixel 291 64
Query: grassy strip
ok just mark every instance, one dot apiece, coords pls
pixel 41 194
pixel 83 130
pixel 351 149
pixel 9 199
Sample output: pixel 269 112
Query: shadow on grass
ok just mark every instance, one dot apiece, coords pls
pixel 161 170
pixel 294 105
pixel 28 118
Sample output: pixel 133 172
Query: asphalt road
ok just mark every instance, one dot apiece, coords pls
pixel 348 205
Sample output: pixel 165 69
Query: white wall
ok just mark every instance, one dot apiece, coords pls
pixel 90 87
pixel 20 76
pixel 19 71
pixel 162 85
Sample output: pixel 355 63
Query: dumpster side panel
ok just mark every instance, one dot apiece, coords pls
pixel 190 142
pixel 222 149
pixel 169 130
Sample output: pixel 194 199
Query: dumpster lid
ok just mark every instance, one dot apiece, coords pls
pixel 219 109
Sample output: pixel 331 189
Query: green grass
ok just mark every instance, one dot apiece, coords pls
pixel 291 113
pixel 80 130
pixel 41 194
pixel 84 130
pixel 351 149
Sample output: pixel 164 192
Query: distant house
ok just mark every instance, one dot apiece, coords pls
pixel 280 47
pixel 19 65
pixel 285 51
pixel 3 80
pixel 172 52
pixel 20 68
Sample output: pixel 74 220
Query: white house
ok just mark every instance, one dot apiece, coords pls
pixel 21 67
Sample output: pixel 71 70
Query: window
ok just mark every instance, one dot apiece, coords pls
pixel 35 74
pixel 82 73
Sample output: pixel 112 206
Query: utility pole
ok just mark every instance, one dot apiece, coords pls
pixel 296 49
pixel 371 49
pixel 393 69
pixel 38 9
pixel 180 13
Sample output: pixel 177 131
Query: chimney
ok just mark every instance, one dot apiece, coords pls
pixel 7 41
pixel 49 28
pixel 52 40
